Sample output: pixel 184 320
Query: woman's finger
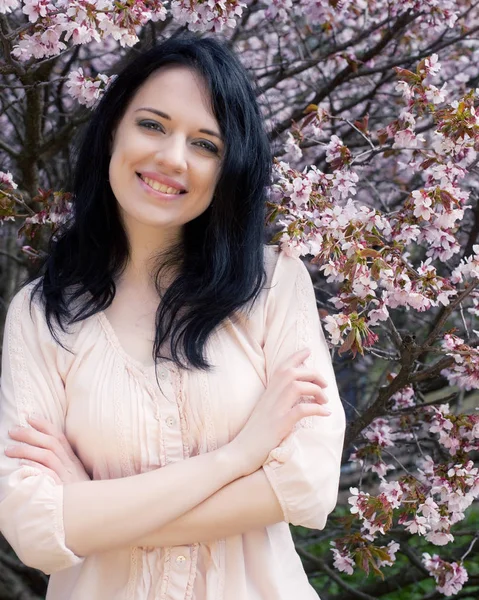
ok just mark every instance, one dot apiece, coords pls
pixel 305 388
pixel 33 437
pixel 300 411
pixel 45 426
pixel 302 374
pixel 47 458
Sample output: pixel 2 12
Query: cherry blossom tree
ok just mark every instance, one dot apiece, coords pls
pixel 371 107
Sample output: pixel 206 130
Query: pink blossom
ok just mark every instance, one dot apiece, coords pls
pixel 343 561
pixel 34 9
pixel 293 151
pixel 436 95
pixel 333 149
pixel 406 138
pixel 391 549
pixel 334 324
pixel 378 314
pixel 422 203
pixel 432 66
pixel 301 191
pixel 403 88
pixel 405 398
pixel 86 89
pixel 7 6
pixel 417 525
pixel 278 9
pixel 393 493
pixel 450 577
pixel 6 179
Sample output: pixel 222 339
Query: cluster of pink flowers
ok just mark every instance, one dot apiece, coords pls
pixel 380 556
pixel 377 436
pixel 342 236
pixel 55 210
pixel 87 90
pixel 427 503
pixel 366 251
pixel 427 506
pixel 465 372
pixel 436 13
pixel 450 577
pixel 207 15
pixel 457 433
pixel 6 180
pixel 57 24
pixel 468 269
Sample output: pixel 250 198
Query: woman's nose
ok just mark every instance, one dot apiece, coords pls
pixel 172 154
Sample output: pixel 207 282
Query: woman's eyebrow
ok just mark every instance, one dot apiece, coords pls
pixel 165 116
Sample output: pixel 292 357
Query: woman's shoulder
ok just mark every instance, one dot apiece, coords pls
pixel 281 266
pixel 26 300
pixel 27 310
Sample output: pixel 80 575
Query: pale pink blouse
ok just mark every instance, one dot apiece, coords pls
pixel 120 423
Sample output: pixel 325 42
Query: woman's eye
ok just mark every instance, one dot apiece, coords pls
pixel 207 146
pixel 153 125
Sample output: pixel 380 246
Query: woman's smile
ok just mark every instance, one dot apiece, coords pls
pixel 163 186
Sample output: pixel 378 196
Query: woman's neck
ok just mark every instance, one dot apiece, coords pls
pixel 147 245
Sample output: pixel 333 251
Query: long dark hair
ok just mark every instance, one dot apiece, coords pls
pixel 221 255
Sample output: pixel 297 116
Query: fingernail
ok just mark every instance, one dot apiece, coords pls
pixel 328 412
pixel 16 429
pixel 10 448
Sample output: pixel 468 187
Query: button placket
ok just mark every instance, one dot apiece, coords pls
pixel 167 413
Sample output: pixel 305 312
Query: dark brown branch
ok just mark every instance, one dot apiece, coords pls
pixel 402 22
pixel 409 352
pixel 446 313
pixel 10 151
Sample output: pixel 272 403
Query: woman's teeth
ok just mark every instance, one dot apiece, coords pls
pixel 159 187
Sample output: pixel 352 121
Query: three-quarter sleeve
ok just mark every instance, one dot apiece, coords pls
pixel 31 503
pixel 304 470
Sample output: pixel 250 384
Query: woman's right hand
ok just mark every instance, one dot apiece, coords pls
pixel 278 410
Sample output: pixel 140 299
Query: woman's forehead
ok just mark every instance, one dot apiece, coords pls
pixel 177 88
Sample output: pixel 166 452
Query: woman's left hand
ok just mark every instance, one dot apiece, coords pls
pixel 46 448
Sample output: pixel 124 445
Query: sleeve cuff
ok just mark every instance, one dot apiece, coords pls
pixel 31 519
pixel 305 488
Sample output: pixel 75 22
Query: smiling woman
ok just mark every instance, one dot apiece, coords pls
pixel 166 155
pixel 155 376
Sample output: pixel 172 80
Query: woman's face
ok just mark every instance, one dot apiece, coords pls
pixel 166 152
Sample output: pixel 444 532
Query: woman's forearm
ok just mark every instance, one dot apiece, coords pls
pixel 245 504
pixel 106 514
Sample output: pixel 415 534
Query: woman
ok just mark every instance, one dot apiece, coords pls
pixel 164 354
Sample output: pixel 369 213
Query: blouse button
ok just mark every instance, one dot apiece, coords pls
pixel 181 560
pixel 170 421
pixel 163 374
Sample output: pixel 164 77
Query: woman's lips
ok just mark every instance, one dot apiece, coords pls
pixel 159 189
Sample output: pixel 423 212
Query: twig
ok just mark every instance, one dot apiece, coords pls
pixel 13 257
pixel 431 338
pixel 471 546
pixel 322 566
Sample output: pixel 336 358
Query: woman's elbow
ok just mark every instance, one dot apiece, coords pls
pixel 315 507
